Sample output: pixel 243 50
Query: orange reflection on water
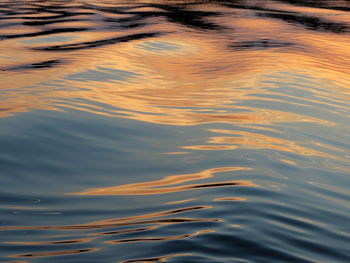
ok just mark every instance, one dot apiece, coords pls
pixel 158 239
pixel 60 242
pixel 230 199
pixel 249 140
pixel 114 229
pixel 54 253
pixel 155 259
pixel 180 201
pixel 127 231
pixel 165 185
pixel 144 219
pixel 186 77
pixel 210 147
pixel 173 86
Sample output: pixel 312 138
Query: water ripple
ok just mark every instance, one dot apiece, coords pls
pixel 180 131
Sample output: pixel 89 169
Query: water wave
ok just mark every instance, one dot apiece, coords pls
pixel 174 131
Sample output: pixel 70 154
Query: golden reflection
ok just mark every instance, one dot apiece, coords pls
pixel 176 153
pixel 173 74
pixel 117 230
pixel 290 162
pixel 209 147
pixel 179 75
pixel 249 140
pixel 230 199
pixel 127 231
pixel 54 253
pixel 60 242
pixel 166 184
pixel 323 12
pixel 157 239
pixel 144 219
pixel 155 259
pixel 180 201
pixel 151 215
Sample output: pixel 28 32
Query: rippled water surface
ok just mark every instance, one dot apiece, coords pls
pixel 175 131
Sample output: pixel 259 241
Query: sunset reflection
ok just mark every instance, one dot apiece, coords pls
pixel 234 199
pixel 174 130
pixel 155 259
pixel 159 239
pixel 248 140
pixel 171 81
pixel 168 184
pixel 153 219
pixel 54 253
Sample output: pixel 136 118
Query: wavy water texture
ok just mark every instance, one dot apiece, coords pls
pixel 175 131
pixel 168 184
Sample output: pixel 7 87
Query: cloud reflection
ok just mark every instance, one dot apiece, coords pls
pixel 194 79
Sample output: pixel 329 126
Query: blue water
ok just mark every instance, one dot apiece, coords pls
pixel 175 131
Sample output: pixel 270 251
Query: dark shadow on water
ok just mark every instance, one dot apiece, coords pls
pixel 258 44
pixel 38 65
pixel 99 43
pixel 178 13
pixel 43 33
pixel 333 4
pixel 312 23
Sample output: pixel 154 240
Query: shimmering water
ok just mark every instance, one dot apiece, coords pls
pixel 175 131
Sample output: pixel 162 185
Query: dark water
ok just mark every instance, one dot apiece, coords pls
pixel 175 131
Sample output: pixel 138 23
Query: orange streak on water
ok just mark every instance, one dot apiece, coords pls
pixel 60 242
pixel 158 239
pixel 202 78
pixel 230 199
pixel 163 186
pixel 202 74
pixel 155 259
pixel 248 140
pixel 180 201
pixel 53 253
pixel 143 219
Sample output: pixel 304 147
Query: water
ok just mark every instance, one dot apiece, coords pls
pixel 175 131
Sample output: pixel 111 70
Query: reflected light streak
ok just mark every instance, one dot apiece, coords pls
pixel 155 259
pixel 162 186
pixel 60 242
pixel 158 239
pixel 54 253
pixel 249 140
pixel 144 219
pixel 230 199
pixel 180 201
